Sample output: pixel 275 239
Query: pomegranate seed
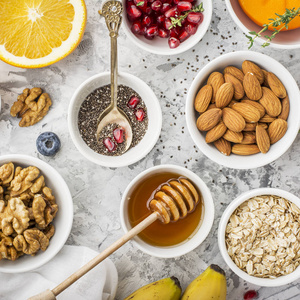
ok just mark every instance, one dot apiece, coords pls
pixel 173 42
pixel 176 1
pixel 167 24
pixel 174 32
pixel 250 295
pixel 147 36
pixel 134 12
pixel 160 19
pixel 168 1
pixel 143 3
pixel 184 6
pixel 190 28
pixel 152 30
pixel 136 27
pixel 195 17
pixel 165 7
pixel 172 12
pixel 133 102
pixel 163 33
pixel 139 114
pixel 119 135
pixel 156 5
pixel 109 144
pixel 183 36
pixel 147 20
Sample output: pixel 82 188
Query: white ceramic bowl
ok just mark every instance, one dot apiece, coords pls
pixel 201 232
pixel 154 120
pixel 221 237
pixel 160 46
pixel 62 222
pixel 284 40
pixel 276 150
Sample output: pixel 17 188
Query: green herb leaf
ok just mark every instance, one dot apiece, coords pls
pixel 140 3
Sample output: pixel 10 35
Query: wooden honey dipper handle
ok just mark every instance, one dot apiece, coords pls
pixel 170 202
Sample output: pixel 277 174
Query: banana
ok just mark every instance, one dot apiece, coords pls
pixel 164 289
pixel 210 285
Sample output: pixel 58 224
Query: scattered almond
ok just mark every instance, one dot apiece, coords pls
pixel 277 130
pixel 209 119
pixel 270 102
pixel 232 136
pixel 285 103
pixel 262 139
pixel 237 84
pixel 258 106
pixel 215 79
pixel 252 87
pixel 250 67
pixel 237 73
pixel 276 85
pixel 249 138
pixel 233 120
pixel 247 111
pixel 224 95
pixel 203 98
pixel 223 146
pixel 216 132
pixel 241 149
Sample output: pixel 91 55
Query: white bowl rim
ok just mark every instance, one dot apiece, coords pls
pixel 107 161
pixel 183 47
pixel 69 220
pixel 259 39
pixel 221 237
pixel 206 223
pixel 189 109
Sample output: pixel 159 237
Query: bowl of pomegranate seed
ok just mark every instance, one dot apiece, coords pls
pixel 166 27
pixel 137 101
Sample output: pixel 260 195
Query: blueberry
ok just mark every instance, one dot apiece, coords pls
pixel 48 143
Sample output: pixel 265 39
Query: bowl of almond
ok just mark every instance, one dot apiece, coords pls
pixel 242 110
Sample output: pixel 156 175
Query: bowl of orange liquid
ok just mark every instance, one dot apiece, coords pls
pixel 252 15
pixel 175 238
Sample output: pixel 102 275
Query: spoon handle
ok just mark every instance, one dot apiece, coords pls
pixel 112 12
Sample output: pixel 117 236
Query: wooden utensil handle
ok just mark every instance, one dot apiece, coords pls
pixel 101 256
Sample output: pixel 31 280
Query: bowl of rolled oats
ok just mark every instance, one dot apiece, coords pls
pixel 36 213
pixel 259 236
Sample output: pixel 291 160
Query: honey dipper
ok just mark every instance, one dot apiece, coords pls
pixel 171 200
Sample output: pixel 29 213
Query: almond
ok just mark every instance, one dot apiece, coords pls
pixel 267 119
pixel 223 146
pixel 241 149
pixel 215 79
pixel 212 105
pixel 285 103
pixel 249 138
pixel 250 127
pixel 263 125
pixel 237 84
pixel 224 95
pixel 231 136
pixel 249 66
pixel 265 83
pixel 258 106
pixel 203 98
pixel 262 139
pixel 237 73
pixel 232 102
pixel 276 85
pixel 277 130
pixel 252 87
pixel 270 102
pixel 216 132
pixel 247 111
pixel 209 119
pixel 233 120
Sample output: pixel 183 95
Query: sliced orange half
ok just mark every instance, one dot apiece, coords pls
pixel 38 33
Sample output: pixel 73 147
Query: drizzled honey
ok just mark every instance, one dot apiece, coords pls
pixel 160 234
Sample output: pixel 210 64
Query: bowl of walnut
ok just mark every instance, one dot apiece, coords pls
pixel 259 236
pixel 36 213
pixel 242 110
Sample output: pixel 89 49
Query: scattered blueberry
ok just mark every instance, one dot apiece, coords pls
pixel 48 143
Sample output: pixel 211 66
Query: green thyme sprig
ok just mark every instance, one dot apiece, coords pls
pixel 283 20
pixel 178 21
pixel 140 3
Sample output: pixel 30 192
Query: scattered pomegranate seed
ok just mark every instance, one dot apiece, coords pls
pixel 160 19
pixel 195 17
pixel 109 144
pixel 173 42
pixel 167 24
pixel 184 5
pixel 133 102
pixel 133 12
pixel 183 36
pixel 190 28
pixel 163 33
pixel 147 20
pixel 140 114
pixel 250 295
pixel 172 12
pixel 156 5
pixel 152 30
pixel 136 27
pixel 119 135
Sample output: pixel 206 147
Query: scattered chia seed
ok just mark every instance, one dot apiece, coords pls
pixel 94 105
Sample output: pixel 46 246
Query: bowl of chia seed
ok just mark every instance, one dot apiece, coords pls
pixel 138 102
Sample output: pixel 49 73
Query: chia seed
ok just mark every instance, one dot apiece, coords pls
pixel 94 105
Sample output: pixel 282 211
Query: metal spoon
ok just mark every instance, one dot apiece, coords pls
pixel 112 10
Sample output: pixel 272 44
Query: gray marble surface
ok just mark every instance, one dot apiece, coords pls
pixel 97 190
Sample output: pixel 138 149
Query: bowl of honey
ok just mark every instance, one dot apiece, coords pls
pixel 179 236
